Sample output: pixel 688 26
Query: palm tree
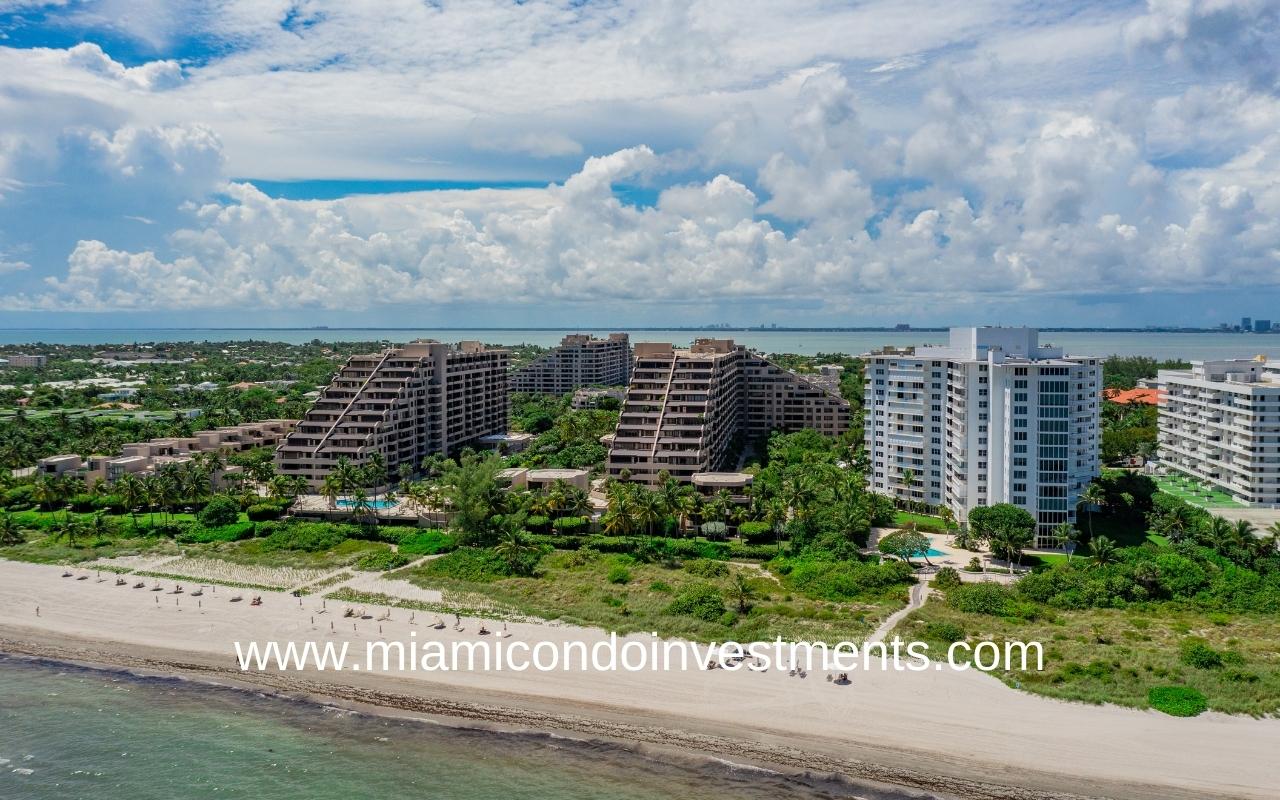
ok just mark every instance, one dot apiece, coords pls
pixel 331 489
pixel 46 491
pixel 799 491
pixel 344 475
pixel 512 547
pixel 10 533
pixel 1273 538
pixel 361 508
pixel 908 480
pixel 132 493
pixel 742 593
pixel 374 473
pixel 648 509
pixel 1220 533
pixel 1244 533
pixel 98 526
pixel 1068 534
pixel 1094 496
pixel 1102 550
pixel 68 529
pixel 947 516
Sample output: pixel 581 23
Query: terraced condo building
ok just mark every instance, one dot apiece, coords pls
pixel 993 417
pixel 580 360
pixel 1220 424
pixel 685 409
pixel 406 403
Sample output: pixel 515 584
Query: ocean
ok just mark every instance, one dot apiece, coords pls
pixel 1157 344
pixel 74 732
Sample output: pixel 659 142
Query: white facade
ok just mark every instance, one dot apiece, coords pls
pixel 994 417
pixel 1220 424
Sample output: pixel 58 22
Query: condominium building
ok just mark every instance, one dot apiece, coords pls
pixel 1220 424
pixel 580 360
pixel 405 403
pixel 686 409
pixel 992 417
pixel 24 360
pixel 145 458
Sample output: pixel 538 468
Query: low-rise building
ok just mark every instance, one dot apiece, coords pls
pixel 590 397
pixel 510 442
pixel 25 360
pixel 1220 425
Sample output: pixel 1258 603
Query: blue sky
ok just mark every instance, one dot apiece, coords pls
pixel 646 163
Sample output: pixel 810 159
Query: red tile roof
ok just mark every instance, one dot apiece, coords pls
pixel 1147 397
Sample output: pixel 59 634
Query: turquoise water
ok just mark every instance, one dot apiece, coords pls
pixel 1099 343
pixel 932 551
pixel 109 736
pixel 372 503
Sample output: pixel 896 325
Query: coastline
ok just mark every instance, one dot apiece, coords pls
pixel 771 721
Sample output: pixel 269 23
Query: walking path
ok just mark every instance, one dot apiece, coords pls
pixel 919 593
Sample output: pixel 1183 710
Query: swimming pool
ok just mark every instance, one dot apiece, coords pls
pixel 372 503
pixel 930 552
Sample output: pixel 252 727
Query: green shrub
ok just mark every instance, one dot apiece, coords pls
pixel 753 552
pixel 706 568
pixel 310 537
pixel 472 564
pixel 571 525
pixel 619 574
pixel 660 586
pixel 844 580
pixel 426 543
pixel 381 561
pixel 974 565
pixel 948 632
pixel 263 511
pixel 1177 701
pixel 1195 653
pixel 981 598
pixel 537 522
pixel 947 578
pixel 756 532
pixel 219 511
pixel 699 600
pixel 199 534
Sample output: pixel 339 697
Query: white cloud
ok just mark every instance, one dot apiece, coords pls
pixel 798 151
pixel 1213 35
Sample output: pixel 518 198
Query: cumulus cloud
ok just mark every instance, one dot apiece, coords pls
pixel 1214 34
pixel 825 158
pixel 153 75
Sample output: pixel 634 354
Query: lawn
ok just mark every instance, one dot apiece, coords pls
pixel 924 522
pixel 1194 493
pixel 1117 655
pixel 615 593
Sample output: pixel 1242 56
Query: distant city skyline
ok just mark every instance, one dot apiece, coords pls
pixel 637 164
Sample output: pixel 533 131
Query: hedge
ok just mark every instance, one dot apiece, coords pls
pixel 755 532
pixel 571 525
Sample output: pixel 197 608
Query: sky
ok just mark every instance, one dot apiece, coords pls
pixel 648 163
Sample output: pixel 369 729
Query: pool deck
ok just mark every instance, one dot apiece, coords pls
pixel 951 556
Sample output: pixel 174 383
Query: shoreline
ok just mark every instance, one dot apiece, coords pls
pixel 958 734
pixel 514 719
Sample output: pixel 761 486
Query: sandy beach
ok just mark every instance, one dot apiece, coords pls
pixel 962 734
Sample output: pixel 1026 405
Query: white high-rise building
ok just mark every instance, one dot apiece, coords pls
pixel 1220 424
pixel 993 417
